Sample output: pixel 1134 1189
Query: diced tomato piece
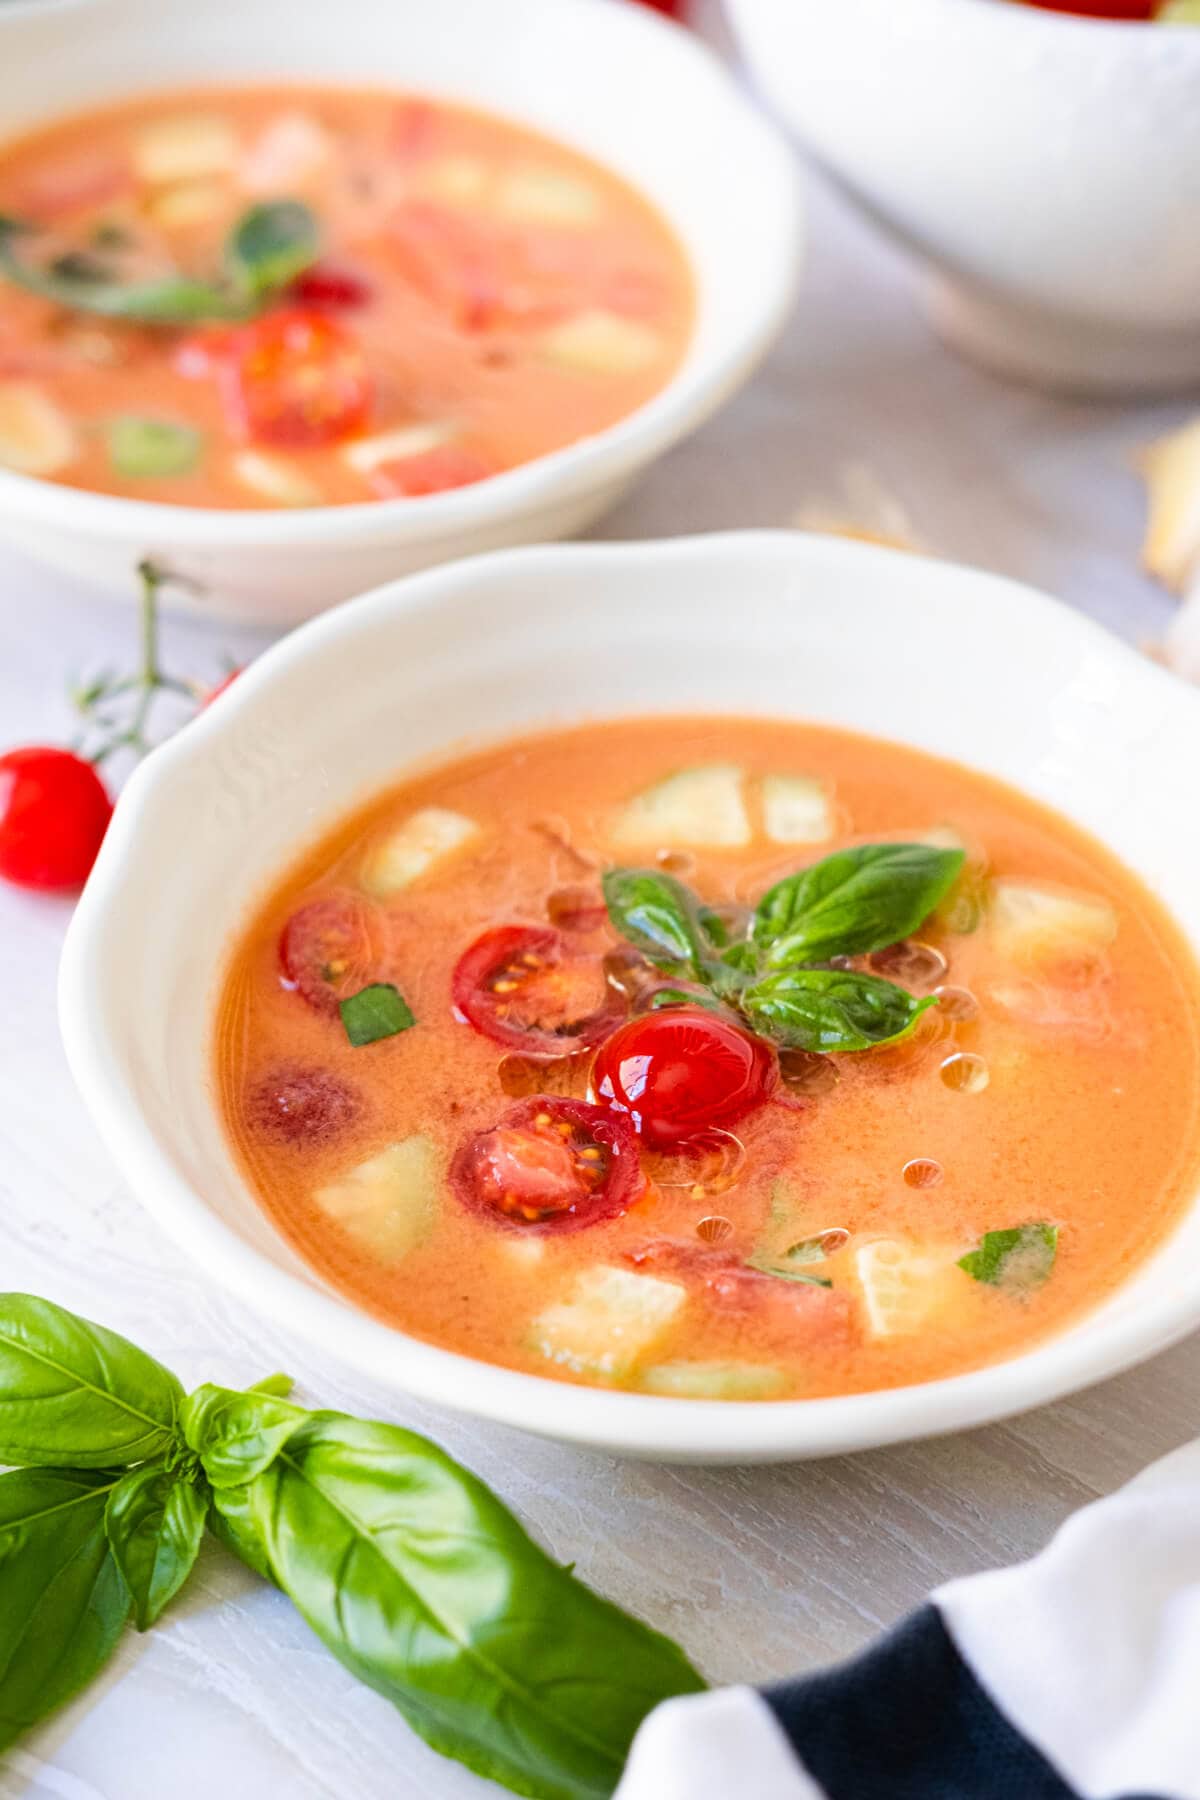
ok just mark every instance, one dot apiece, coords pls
pixel 433 472
pixel 73 184
pixel 522 987
pixel 327 285
pixel 297 1105
pixel 683 1071
pixel 414 129
pixel 551 1162
pixel 296 378
pixel 331 949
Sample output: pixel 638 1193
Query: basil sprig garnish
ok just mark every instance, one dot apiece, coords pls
pixel 407 1568
pixel 777 974
pixel 1019 1259
pixel 269 246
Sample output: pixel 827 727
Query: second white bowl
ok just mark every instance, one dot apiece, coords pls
pixel 633 91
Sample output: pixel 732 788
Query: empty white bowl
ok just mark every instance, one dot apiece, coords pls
pixel 776 624
pixel 1047 166
pixel 635 92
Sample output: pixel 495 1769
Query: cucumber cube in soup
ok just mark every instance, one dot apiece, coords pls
pixel 424 839
pixel 607 1323
pixel 36 437
pixel 389 1204
pixel 715 1380
pixel 796 809
pixel 184 147
pixel 146 449
pixel 455 180
pixel 596 342
pixel 904 1286
pixel 370 453
pixel 1032 924
pixel 274 478
pixel 698 806
pixel 188 203
pixel 536 195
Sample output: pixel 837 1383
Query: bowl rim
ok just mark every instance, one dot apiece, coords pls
pixel 697 385
pixel 648 1426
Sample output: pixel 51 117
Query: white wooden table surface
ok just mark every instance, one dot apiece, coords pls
pixel 758 1572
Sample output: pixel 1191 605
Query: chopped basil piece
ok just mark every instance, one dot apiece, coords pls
pixel 783 1271
pixel 144 449
pixel 375 1012
pixel 1019 1259
pixel 270 245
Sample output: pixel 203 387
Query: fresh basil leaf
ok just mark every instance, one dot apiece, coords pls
pixel 143 449
pixel 155 1522
pixel 63 1600
pixel 424 1586
pixel 72 1392
pixel 270 245
pixel 783 1270
pixel 808 1250
pixel 167 300
pixel 828 1010
pixel 1019 1259
pixel 660 917
pixel 852 902
pixel 237 1435
pixel 375 1012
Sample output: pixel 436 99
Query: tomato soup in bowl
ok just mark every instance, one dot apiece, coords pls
pixel 599 989
pixel 299 310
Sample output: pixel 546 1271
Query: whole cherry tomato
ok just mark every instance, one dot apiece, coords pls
pixel 681 1072
pixel 54 811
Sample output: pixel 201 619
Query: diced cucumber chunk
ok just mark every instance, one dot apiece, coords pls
pixel 701 806
pixel 715 1380
pixel 904 1286
pixel 142 449
pixel 796 809
pixel 388 1205
pixel 370 453
pixel 423 840
pixel 36 436
pixel 607 1322
pixel 274 478
pixel 1030 923
pixel 597 342
pixel 534 194
pixel 185 147
pixel 458 179
pixel 187 203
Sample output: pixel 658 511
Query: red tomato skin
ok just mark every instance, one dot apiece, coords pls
pixel 330 949
pixel 490 957
pixel 327 285
pixel 223 686
pixel 681 1072
pixel 487 1167
pixel 54 812
pixel 1100 9
pixel 295 379
pixel 301 1106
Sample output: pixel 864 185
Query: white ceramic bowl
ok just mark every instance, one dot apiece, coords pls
pixel 630 89
pixel 1047 166
pixel 960 663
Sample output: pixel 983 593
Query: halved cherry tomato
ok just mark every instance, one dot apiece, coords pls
pixel 297 1105
pixel 434 472
pixel 54 812
pixel 327 285
pixel 521 986
pixel 682 1071
pixel 551 1162
pixel 296 378
pixel 331 949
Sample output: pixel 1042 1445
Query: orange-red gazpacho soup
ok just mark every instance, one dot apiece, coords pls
pixel 264 297
pixel 714 1058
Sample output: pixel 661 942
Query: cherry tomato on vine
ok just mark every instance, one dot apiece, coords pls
pixel 222 687
pixel 331 949
pixel 296 378
pixel 681 1072
pixel 521 986
pixel 551 1162
pixel 1101 9
pixel 54 811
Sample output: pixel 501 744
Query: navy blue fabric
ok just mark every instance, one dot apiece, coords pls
pixel 907 1720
